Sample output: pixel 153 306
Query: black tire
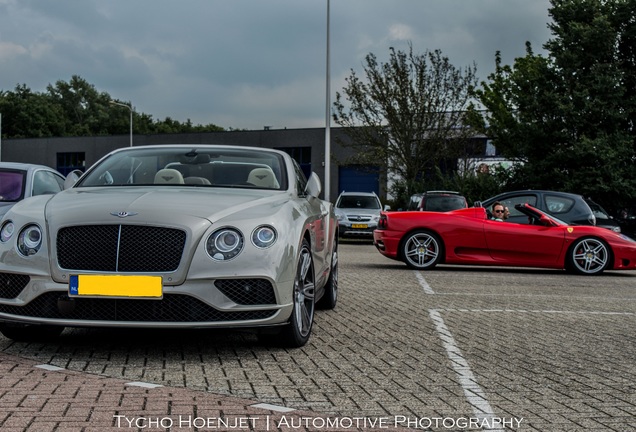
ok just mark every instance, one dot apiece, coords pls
pixel 296 333
pixel 421 250
pixel 588 256
pixel 30 332
pixel 330 297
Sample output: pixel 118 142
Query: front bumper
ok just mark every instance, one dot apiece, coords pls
pixel 350 230
pixel 195 304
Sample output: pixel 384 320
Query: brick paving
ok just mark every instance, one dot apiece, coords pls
pixel 40 398
pixel 552 351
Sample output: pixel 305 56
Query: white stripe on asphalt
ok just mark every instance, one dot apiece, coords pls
pixel 49 367
pixel 474 394
pixel 143 384
pixel 423 283
pixel 538 311
pixel 271 407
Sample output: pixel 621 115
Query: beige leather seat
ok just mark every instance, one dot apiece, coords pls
pixel 263 177
pixel 168 176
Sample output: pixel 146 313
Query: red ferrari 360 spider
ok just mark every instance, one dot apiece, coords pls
pixel 466 236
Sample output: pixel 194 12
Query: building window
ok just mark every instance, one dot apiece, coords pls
pixel 67 162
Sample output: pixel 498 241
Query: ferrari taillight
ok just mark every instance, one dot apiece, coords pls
pixel 383 223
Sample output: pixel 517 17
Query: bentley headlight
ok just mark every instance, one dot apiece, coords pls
pixel 264 236
pixel 30 240
pixel 224 244
pixel 7 231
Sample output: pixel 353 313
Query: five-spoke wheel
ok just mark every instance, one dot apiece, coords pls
pixel 588 256
pixel 296 333
pixel 422 250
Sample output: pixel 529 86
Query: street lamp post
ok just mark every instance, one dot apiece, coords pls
pixel 112 102
pixel 328 119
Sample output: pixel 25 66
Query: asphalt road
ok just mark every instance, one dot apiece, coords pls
pixel 455 348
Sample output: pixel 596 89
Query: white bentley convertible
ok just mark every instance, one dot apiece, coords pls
pixel 173 236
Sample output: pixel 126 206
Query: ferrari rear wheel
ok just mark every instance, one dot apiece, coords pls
pixel 296 333
pixel 589 256
pixel 422 250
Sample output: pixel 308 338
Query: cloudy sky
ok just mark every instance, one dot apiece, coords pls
pixel 246 63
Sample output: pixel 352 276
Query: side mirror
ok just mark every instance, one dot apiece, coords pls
pixel 387 207
pixel 72 178
pixel 314 186
pixel 477 204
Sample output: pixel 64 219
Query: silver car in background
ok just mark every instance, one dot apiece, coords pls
pixel 173 236
pixel 21 180
pixel 358 214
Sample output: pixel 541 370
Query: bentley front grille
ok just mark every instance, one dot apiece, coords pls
pixel 247 291
pixel 11 284
pixel 173 308
pixel 120 248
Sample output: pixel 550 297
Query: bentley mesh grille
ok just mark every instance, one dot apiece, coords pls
pixel 11 284
pixel 120 248
pixel 247 291
pixel 172 308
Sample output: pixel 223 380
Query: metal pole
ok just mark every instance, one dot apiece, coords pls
pixel 112 102
pixel 328 119
pixel 131 138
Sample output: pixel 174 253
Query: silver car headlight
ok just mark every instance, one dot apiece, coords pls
pixel 7 231
pixel 224 244
pixel 30 240
pixel 264 236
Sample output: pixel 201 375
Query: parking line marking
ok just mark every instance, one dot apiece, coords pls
pixel 474 394
pixel 271 407
pixel 427 288
pixel 49 367
pixel 143 384
pixel 547 311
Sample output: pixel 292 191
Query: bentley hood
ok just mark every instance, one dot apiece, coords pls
pixel 177 204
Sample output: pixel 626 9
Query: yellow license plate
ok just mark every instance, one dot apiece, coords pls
pixel 137 286
pixel 359 226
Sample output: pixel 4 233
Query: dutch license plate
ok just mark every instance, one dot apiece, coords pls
pixel 359 226
pixel 137 286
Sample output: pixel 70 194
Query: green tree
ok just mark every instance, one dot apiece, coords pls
pixel 28 114
pixel 85 109
pixel 77 108
pixel 569 116
pixel 406 115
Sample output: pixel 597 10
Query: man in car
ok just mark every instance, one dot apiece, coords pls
pixel 497 211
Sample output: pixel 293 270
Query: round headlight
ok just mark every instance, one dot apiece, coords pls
pixel 224 244
pixel 30 240
pixel 264 236
pixel 7 231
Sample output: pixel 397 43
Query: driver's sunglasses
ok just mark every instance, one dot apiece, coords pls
pixel 499 211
